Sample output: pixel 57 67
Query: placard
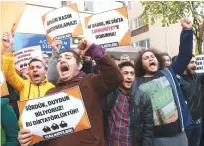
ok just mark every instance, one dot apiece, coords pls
pixel 109 29
pixel 54 115
pixel 11 12
pixel 24 56
pixel 62 23
pixel 200 64
pixel 4 88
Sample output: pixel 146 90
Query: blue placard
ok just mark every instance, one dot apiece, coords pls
pixel 24 40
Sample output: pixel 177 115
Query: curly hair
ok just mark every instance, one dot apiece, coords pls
pixel 139 68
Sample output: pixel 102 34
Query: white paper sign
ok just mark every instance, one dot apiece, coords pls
pixel 24 56
pixel 109 29
pixel 54 115
pixel 200 64
pixel 62 23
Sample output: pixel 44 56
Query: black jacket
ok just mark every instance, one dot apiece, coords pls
pixel 141 116
pixel 191 88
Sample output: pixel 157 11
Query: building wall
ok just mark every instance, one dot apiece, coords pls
pixel 165 39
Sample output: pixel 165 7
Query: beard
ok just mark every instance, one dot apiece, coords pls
pixel 147 71
pixel 189 72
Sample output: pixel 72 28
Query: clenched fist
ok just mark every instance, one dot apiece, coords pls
pixel 186 24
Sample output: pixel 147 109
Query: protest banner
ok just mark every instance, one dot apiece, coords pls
pixel 9 21
pixel 4 89
pixel 62 23
pixel 23 57
pixel 200 64
pixel 109 29
pixel 54 115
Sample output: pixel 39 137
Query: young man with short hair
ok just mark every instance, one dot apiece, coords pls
pixel 124 58
pixel 128 116
pixel 37 85
pixel 32 88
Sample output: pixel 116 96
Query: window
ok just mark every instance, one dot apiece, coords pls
pixel 65 3
pixel 88 6
pixel 138 22
pixel 129 5
pixel 142 43
pixel 130 25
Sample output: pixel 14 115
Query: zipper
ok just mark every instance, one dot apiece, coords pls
pixel 178 101
pixel 38 91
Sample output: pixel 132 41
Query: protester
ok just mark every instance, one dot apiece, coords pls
pixel 191 83
pixel 169 109
pixel 24 73
pixel 45 59
pixel 124 58
pixel 122 126
pixel 92 87
pixel 9 125
pixel 53 76
pixel 32 88
pixel 202 109
pixel 166 59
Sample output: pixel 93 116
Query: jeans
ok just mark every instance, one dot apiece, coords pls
pixel 193 133
pixel 202 136
pixel 177 140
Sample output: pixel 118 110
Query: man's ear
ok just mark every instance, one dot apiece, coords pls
pixel 80 66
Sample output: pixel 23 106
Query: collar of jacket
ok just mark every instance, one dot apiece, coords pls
pixel 78 77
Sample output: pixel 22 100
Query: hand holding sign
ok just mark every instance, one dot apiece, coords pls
pixel 186 24
pixel 83 46
pixel 56 45
pixel 7 42
pixel 25 137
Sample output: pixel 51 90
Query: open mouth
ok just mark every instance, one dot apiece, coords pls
pixel 64 68
pixel 36 75
pixel 128 82
pixel 152 64
pixel 193 68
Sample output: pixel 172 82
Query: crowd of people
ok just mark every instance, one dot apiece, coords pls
pixel 155 101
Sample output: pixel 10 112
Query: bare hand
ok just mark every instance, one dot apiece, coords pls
pixel 56 45
pixel 25 137
pixel 7 41
pixel 83 46
pixel 186 24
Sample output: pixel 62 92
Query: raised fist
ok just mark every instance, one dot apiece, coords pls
pixel 83 46
pixel 7 40
pixel 56 45
pixel 186 24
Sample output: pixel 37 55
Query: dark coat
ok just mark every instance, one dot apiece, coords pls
pixel 93 88
pixel 141 116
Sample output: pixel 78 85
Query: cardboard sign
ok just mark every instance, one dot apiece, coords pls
pixel 200 63
pixel 109 29
pixel 23 56
pixel 9 21
pixel 54 115
pixel 4 89
pixel 11 12
pixel 62 23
